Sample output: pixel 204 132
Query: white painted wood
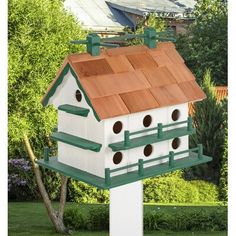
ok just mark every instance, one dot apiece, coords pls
pixel 92 162
pixel 183 108
pixel 102 132
pixel 126 210
pixel 184 145
pixel 72 124
pixel 65 93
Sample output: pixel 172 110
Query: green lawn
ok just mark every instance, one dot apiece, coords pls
pixel 31 219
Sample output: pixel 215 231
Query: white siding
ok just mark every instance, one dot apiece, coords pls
pixel 102 132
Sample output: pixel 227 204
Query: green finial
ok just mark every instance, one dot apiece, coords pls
pixel 150 37
pixel 93 44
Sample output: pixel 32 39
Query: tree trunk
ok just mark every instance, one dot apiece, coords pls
pixel 55 216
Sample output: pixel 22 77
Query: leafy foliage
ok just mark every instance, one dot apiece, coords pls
pixel 223 187
pixel 150 20
pixel 209 119
pixel 205 44
pixel 160 218
pixel 39 32
pixel 175 189
pixel 21 184
pixel 85 193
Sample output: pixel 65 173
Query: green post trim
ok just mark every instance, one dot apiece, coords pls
pixel 140 167
pixel 159 130
pixel 150 37
pixel 171 159
pixel 46 153
pixel 126 138
pixel 93 44
pixel 190 124
pixel 200 151
pixel 107 176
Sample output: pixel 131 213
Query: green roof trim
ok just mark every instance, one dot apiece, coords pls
pixel 190 160
pixel 151 138
pixel 76 141
pixel 59 80
pixel 79 111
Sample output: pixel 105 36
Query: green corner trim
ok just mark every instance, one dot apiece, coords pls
pixel 109 182
pixel 59 81
pixel 149 139
pixel 76 141
pixel 79 111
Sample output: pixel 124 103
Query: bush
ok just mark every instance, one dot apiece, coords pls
pixel 162 218
pixel 74 219
pixel 96 219
pixel 207 192
pixel 84 193
pixel 223 187
pixel 21 182
pixel 22 185
pixel 99 218
pixel 177 190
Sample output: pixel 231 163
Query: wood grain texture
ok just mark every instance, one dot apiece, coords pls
pixel 106 85
pixel 139 100
pixel 159 76
pixel 109 106
pixel 134 78
pixel 141 60
pixel 192 91
pixel 169 95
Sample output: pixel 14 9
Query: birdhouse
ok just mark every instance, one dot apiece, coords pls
pixel 123 114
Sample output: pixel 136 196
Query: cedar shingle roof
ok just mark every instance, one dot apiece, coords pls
pixel 133 79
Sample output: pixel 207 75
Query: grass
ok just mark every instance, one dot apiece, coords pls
pixel 31 219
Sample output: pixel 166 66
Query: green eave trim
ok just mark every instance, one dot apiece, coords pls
pixel 79 111
pixel 76 141
pixel 130 177
pixel 59 81
pixel 149 139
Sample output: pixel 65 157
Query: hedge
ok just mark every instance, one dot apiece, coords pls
pixel 160 218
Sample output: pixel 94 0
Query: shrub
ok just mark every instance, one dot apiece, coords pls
pixel 74 219
pixel 223 187
pixel 98 218
pixel 21 182
pixel 52 182
pixel 207 192
pixel 178 190
pixel 175 219
pixel 84 193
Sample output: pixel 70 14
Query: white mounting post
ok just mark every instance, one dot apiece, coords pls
pixel 126 210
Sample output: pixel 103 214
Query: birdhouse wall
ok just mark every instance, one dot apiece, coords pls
pixel 135 122
pixel 65 93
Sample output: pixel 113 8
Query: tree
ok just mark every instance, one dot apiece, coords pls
pixel 205 44
pixel 39 35
pixel 209 119
pixel 150 20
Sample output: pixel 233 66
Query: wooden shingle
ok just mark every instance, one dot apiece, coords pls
pixel 132 79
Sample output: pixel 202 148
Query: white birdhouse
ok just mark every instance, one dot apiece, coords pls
pixel 123 115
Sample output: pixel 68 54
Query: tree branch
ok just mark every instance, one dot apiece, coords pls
pixel 64 181
pixel 55 216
